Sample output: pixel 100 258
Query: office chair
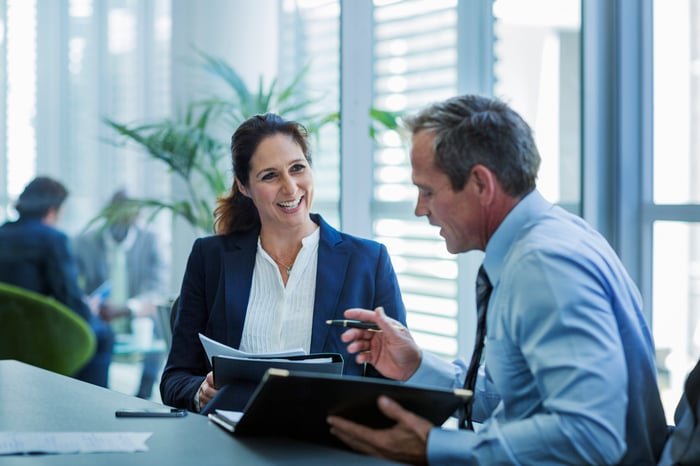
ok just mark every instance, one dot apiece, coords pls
pixel 43 332
pixel 166 320
pixel 683 444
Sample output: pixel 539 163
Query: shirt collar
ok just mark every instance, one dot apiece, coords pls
pixel 125 244
pixel 529 208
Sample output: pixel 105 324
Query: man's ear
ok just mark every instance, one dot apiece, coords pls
pixel 485 182
pixel 51 217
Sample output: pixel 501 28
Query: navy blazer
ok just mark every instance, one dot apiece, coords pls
pixel 351 272
pixel 39 257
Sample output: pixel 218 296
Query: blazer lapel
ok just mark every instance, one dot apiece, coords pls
pixel 238 276
pixel 333 259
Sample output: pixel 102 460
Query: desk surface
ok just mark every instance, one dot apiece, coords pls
pixel 33 399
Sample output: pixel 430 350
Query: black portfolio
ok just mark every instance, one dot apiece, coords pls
pixel 296 404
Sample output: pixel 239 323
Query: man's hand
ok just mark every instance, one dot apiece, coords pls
pixel 392 351
pixel 142 306
pixel 405 442
pixel 108 311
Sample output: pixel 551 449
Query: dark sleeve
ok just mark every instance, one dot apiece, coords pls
pixel 187 364
pixel 388 293
pixel 369 282
pixel 62 276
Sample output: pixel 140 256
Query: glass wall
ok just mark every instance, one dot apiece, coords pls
pixel 309 44
pixel 20 95
pixel 415 63
pixel 675 210
pixel 64 66
pixel 116 65
pixel 537 70
pixel 69 65
pixel 417 57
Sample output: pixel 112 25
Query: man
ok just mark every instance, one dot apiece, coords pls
pixel 568 373
pixel 127 258
pixel 35 255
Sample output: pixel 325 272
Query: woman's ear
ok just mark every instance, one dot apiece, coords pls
pixel 242 189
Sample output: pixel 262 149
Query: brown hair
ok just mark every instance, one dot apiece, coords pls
pixel 234 211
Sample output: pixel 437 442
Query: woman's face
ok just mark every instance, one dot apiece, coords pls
pixel 281 183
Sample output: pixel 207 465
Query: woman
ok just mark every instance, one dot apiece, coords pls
pixel 274 273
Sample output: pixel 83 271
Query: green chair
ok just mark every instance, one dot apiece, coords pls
pixel 43 332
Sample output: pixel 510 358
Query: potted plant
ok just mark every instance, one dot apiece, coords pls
pixel 193 152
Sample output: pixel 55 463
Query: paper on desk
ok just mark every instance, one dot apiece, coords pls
pixel 20 443
pixel 232 416
pixel 214 348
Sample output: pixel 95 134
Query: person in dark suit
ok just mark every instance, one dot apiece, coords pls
pixel 35 255
pixel 274 272
pixel 127 257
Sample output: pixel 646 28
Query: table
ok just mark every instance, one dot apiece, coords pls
pixel 33 399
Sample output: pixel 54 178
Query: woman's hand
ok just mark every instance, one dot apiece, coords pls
pixel 207 390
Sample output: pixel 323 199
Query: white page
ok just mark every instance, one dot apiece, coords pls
pixel 14 443
pixel 310 360
pixel 214 348
pixel 231 416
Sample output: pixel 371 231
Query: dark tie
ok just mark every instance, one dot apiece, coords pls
pixel 483 292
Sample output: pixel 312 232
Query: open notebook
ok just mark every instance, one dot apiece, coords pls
pixel 296 404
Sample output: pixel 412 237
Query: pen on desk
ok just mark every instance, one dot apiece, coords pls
pixel 354 324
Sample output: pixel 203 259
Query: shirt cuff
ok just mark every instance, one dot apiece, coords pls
pixel 434 371
pixel 451 447
pixel 196 401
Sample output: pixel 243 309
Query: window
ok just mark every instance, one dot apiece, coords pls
pixel 20 90
pixel 118 67
pixel 415 63
pixel 537 49
pixel 675 210
pixel 309 37
pixel 68 66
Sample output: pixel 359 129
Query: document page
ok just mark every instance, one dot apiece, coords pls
pixel 214 348
pixel 226 419
pixel 23 443
pixel 232 416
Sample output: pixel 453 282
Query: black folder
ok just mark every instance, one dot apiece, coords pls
pixel 236 378
pixel 296 404
pixel 230 369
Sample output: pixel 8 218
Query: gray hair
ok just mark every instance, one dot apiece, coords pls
pixel 472 130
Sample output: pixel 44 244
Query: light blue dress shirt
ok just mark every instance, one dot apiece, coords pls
pixel 568 374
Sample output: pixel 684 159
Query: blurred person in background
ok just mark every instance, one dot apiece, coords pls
pixel 36 255
pixel 120 266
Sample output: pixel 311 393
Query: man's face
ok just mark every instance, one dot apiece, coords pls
pixel 459 214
